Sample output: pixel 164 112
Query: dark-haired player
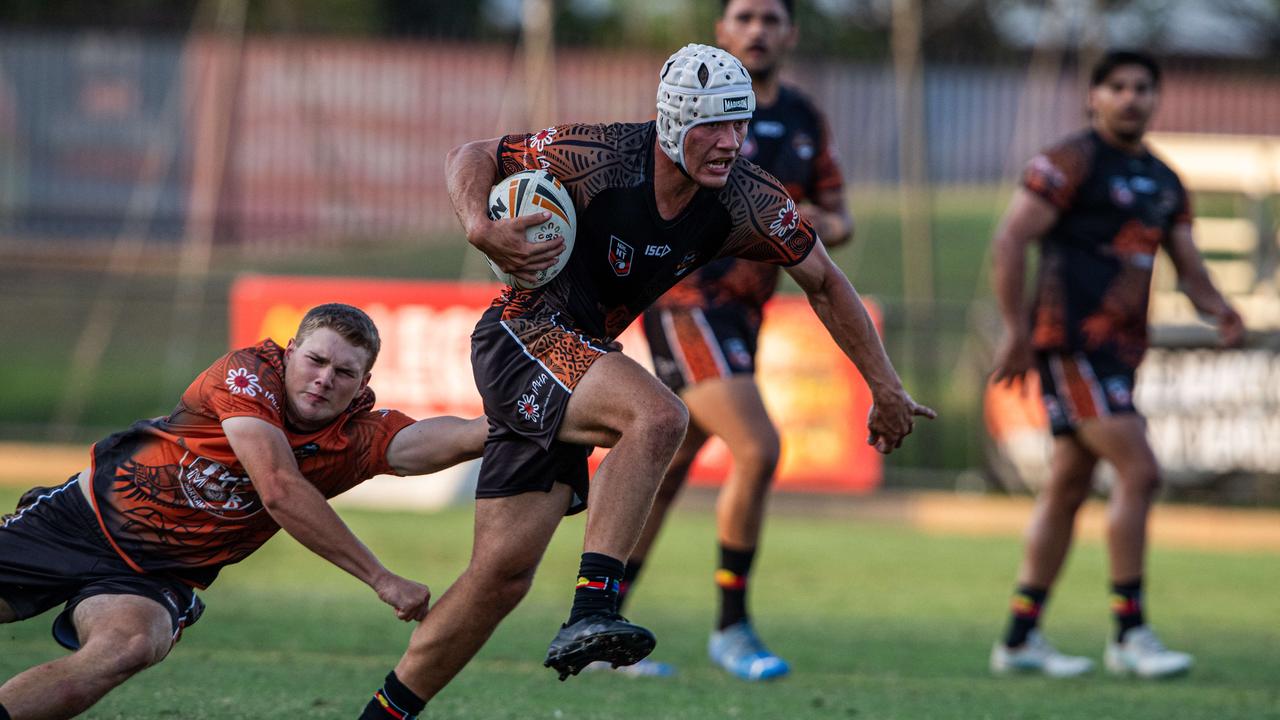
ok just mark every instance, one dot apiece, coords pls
pixel 257 442
pixel 655 201
pixel 703 334
pixel 1101 205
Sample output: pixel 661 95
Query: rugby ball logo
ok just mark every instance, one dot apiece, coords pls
pixel 528 192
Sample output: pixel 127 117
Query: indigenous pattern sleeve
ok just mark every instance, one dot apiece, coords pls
pixel 1057 173
pixel 767 226
pixel 247 382
pixel 584 158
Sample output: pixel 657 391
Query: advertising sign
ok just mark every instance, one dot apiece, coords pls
pixel 1210 412
pixel 814 394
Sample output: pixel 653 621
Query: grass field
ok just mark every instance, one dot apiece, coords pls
pixel 879 621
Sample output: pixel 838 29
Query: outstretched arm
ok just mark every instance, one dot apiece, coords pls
pixel 1028 218
pixel 1195 282
pixel 841 310
pixel 435 444
pixel 303 512
pixel 470 171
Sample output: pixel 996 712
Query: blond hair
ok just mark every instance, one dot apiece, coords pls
pixel 348 321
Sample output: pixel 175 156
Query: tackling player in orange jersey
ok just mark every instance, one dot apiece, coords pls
pixel 256 443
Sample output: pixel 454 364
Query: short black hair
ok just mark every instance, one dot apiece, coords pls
pixel 1117 58
pixel 790 5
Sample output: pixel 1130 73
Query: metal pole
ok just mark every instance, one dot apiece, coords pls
pixel 913 193
pixel 539 61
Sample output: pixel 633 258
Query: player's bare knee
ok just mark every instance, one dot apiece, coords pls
pixel 120 655
pixel 758 459
pixel 664 425
pixel 504 580
pixel 503 592
pixel 1068 496
pixel 1142 480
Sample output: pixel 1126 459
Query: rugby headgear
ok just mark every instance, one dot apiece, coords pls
pixel 700 84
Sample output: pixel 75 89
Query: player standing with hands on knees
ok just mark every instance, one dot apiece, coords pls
pixel 552 383
pixel 256 443
pixel 1101 206
pixel 703 335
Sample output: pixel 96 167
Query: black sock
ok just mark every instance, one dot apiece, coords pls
pixel 629 575
pixel 392 701
pixel 1024 613
pixel 731 577
pixel 597 590
pixel 4 714
pixel 1126 606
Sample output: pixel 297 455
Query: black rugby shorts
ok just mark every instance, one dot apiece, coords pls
pixel 525 372
pixel 54 552
pixel 1077 387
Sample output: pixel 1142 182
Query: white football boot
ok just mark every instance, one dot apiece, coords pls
pixel 1036 655
pixel 1141 653
pixel 644 668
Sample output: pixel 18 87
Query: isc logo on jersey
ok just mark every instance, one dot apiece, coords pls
pixel 528 192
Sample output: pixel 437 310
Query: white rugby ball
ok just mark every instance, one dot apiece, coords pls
pixel 528 192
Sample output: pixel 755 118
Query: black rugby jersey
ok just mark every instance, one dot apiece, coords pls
pixel 1094 281
pixel 790 140
pixel 626 255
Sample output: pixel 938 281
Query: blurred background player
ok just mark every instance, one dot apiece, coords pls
pixel 169 502
pixel 703 333
pixel 1101 205
pixel 655 201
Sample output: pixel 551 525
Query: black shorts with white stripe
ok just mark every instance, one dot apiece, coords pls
pixel 52 551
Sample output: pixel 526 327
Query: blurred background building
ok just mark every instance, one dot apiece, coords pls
pixel 152 151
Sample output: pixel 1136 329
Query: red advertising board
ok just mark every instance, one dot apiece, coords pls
pixel 816 397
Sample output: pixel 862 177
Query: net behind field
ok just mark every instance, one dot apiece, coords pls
pixel 140 173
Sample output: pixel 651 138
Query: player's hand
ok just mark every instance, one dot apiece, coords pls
pixel 1231 330
pixel 1013 359
pixel 505 243
pixel 892 418
pixel 408 598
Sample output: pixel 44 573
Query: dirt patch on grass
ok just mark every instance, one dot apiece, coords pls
pixel 1185 526
pixel 28 464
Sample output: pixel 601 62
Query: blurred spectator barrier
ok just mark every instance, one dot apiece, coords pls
pixel 315 141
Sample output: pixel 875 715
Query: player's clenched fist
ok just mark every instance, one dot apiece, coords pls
pixel 409 598
pixel 892 418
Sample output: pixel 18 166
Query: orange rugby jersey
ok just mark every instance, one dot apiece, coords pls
pixel 171 495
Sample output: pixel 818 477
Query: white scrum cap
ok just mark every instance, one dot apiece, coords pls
pixel 700 84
